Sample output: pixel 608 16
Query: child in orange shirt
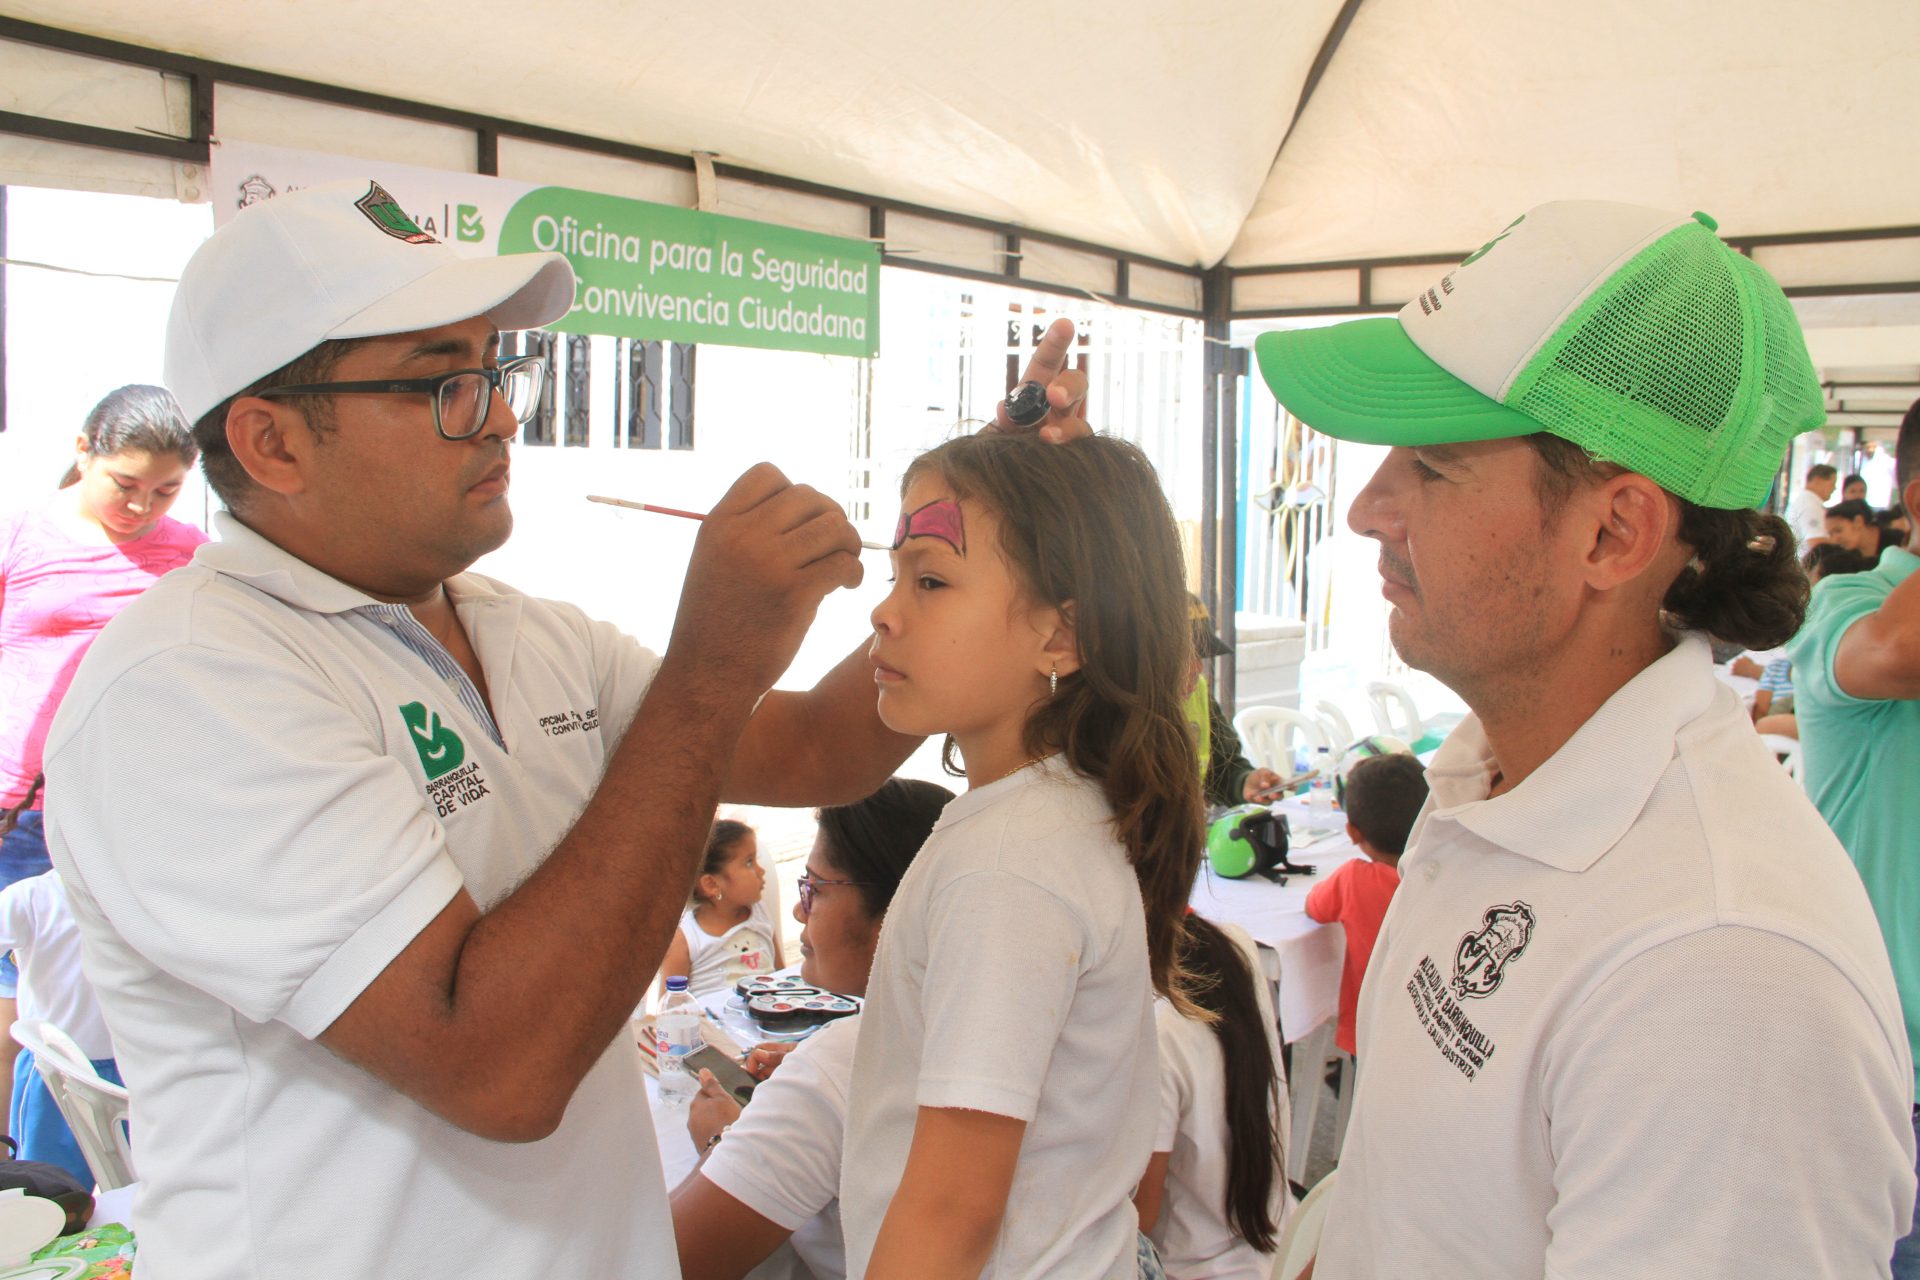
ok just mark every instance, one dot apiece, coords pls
pixel 1384 795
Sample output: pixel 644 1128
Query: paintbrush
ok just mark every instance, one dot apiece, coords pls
pixel 688 515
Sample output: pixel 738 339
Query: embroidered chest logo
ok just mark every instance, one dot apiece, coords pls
pixel 440 748
pixel 452 782
pixel 1479 966
pixel 1480 963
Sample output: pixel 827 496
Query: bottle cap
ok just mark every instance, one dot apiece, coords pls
pixel 1027 405
pixel 676 984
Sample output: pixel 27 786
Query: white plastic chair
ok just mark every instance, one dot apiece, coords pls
pixel 1300 1241
pixel 1395 714
pixel 1393 711
pixel 1267 735
pixel 1349 1085
pixel 1787 751
pixel 95 1108
pixel 1340 734
pixel 1312 1054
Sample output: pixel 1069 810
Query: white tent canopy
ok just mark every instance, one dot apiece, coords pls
pixel 1165 132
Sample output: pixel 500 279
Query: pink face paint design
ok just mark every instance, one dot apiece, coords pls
pixel 940 519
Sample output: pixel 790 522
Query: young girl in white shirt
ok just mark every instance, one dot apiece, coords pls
pixel 1215 1194
pixel 1006 1080
pixel 725 933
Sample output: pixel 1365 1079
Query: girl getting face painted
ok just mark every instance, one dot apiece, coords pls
pixel 1038 618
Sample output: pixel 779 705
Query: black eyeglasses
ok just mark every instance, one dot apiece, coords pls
pixel 462 398
pixel 809 881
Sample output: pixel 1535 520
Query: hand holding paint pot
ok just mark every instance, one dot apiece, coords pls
pixel 1050 397
pixel 765 557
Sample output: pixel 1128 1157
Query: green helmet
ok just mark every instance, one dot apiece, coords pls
pixel 1245 840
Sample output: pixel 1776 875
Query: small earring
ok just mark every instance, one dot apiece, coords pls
pixel 1053 681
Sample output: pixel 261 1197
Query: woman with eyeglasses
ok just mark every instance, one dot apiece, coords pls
pixel 771 1173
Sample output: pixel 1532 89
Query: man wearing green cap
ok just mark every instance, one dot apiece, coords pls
pixel 1630 1013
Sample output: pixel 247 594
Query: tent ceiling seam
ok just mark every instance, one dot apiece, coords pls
pixel 1329 44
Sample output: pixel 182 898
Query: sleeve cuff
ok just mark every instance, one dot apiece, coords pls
pixel 354 965
pixel 977 1095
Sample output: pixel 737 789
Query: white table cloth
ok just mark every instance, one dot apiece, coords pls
pixel 1303 957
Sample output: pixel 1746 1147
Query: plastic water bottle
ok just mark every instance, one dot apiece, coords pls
pixel 1320 798
pixel 676 1030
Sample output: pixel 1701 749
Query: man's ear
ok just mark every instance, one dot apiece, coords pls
pixel 1909 496
pixel 1060 642
pixel 1634 521
pixel 272 441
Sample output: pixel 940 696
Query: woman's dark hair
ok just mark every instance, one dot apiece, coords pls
pixel 874 840
pixel 1855 478
pixel 138 417
pixel 1851 509
pixel 725 834
pixel 1743 585
pixel 1824 559
pixel 1223 985
pixel 1086 530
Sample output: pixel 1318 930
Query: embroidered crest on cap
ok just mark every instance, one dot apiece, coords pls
pixel 384 212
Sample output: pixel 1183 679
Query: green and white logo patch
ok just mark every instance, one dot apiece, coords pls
pixel 440 748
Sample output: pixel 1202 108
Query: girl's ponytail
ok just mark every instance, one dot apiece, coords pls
pixel 1224 987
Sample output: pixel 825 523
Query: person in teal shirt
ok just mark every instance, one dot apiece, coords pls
pixel 1856 665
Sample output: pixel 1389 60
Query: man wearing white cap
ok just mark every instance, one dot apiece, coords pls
pixel 369 918
pixel 1629 1014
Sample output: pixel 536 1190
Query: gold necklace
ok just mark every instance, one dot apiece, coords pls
pixel 1009 773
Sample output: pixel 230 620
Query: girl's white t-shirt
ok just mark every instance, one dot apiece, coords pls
pixel 781 1158
pixel 717 963
pixel 36 922
pixel 1194 1237
pixel 1012 978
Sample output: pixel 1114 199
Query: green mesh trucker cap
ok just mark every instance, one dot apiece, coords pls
pixel 1634 333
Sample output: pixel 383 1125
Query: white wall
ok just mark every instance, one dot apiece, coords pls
pixel 72 338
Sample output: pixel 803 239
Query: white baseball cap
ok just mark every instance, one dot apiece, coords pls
pixel 341 260
pixel 1633 332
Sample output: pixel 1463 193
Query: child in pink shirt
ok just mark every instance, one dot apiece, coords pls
pixel 1384 795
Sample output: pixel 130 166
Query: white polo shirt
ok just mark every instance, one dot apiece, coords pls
pixel 1632 1018
pixel 266 796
